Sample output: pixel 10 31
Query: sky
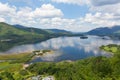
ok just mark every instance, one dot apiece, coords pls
pixel 71 15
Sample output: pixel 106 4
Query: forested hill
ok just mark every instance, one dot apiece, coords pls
pixel 9 32
pixel 11 36
pixel 31 29
pixel 113 32
pixel 42 31
pixel 105 31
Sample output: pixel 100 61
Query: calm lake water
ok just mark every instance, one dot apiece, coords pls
pixel 67 48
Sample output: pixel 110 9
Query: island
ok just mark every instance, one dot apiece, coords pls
pixel 83 37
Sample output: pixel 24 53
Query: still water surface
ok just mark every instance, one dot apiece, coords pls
pixel 67 48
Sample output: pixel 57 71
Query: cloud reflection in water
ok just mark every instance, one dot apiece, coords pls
pixel 68 48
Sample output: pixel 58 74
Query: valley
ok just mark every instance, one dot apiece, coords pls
pixel 59 39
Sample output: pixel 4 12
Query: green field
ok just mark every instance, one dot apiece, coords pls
pixel 6 66
pixel 13 56
pixel 111 48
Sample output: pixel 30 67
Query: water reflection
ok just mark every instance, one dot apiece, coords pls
pixel 47 57
pixel 67 48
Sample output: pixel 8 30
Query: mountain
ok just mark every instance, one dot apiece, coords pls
pixel 11 36
pixel 58 31
pixel 42 31
pixel 105 31
pixel 9 31
pixel 30 29
pixel 19 26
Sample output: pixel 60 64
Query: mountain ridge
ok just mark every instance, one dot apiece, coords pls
pixel 11 35
pixel 51 31
pixel 105 30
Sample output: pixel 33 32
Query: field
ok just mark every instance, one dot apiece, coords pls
pixel 13 56
pixel 111 48
pixel 5 66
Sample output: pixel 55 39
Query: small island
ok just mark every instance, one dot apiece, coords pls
pixel 83 37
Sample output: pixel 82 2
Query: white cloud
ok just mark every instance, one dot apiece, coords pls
pixel 2 19
pixel 58 22
pixel 104 2
pixel 102 13
pixel 101 19
pixel 27 15
pixel 6 10
pixel 106 9
pixel 88 2
pixel 63 23
pixel 48 16
pixel 47 10
pixel 106 12
pixel 78 2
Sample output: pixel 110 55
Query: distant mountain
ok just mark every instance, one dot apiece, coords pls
pixel 11 36
pixel 30 29
pixel 42 31
pixel 105 31
pixel 19 26
pixel 58 31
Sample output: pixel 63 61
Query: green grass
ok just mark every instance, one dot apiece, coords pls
pixel 14 70
pixel 6 66
pixel 13 56
pixel 111 48
pixel 16 58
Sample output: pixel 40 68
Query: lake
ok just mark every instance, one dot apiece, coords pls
pixel 66 48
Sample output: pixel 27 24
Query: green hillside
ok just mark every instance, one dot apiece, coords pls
pixel 31 29
pixel 113 32
pixel 11 36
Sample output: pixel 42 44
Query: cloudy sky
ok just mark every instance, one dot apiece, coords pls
pixel 73 15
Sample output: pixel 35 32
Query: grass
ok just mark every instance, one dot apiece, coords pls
pixel 6 66
pixel 13 56
pixel 111 48
pixel 14 70
pixel 19 58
